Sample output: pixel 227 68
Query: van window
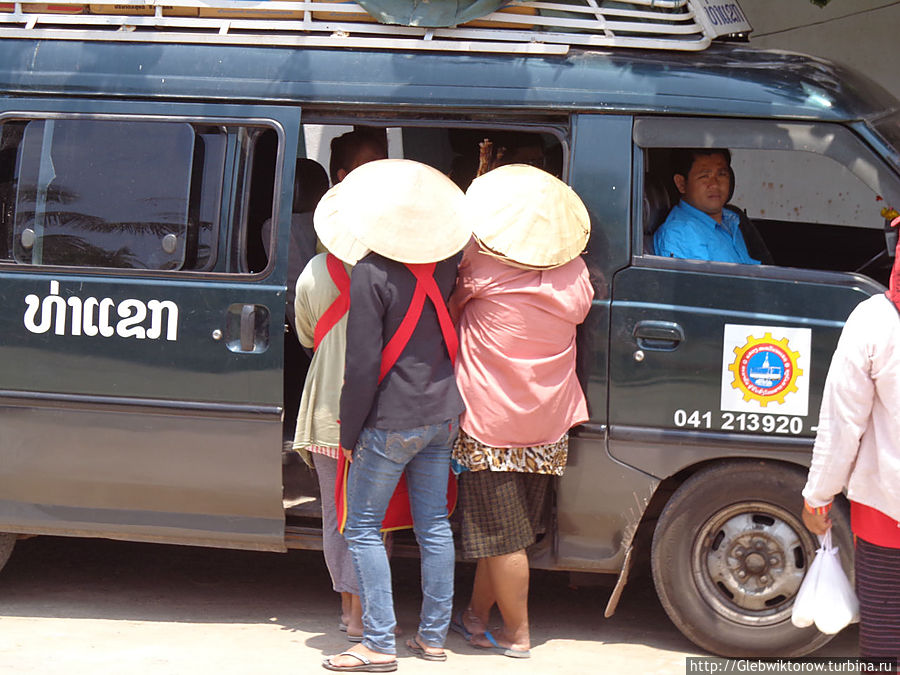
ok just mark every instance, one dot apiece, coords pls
pixel 110 193
pixel 258 157
pixel 812 193
pixel 453 150
pixel 811 211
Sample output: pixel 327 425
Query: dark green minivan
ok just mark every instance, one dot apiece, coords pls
pixel 142 337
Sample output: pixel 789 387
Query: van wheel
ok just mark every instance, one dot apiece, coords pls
pixel 729 553
pixel 7 541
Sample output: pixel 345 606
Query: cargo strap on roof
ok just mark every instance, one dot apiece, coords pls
pixel 526 26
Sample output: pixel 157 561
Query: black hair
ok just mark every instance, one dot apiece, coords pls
pixel 345 147
pixel 683 158
pixel 310 183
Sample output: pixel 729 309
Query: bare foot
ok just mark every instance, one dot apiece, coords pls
pixel 473 624
pixel 504 642
pixel 343 660
pixel 481 640
pixel 476 628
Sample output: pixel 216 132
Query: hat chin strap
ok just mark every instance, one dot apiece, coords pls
pixel 487 250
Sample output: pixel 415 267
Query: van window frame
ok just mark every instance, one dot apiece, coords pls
pixel 226 222
pixel 518 121
pixel 829 139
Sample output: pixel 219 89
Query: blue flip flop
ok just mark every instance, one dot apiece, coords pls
pixel 506 651
pixel 490 638
pixel 456 624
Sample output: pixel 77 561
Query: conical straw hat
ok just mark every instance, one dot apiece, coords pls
pixel 526 217
pixel 333 229
pixel 404 210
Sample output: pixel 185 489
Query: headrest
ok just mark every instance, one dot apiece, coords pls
pixel 657 203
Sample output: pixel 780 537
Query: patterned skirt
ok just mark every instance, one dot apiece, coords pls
pixel 549 458
pixel 878 589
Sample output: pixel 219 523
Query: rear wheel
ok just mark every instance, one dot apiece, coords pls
pixel 7 541
pixel 729 553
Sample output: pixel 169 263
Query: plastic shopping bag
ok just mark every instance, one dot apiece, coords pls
pixel 825 596
pixel 804 611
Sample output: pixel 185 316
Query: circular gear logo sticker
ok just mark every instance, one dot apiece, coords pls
pixel 765 369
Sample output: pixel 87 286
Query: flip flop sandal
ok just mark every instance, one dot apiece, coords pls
pixel 457 625
pixel 365 665
pixel 490 638
pixel 514 653
pixel 415 648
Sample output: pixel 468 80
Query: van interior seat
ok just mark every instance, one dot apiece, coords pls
pixel 657 202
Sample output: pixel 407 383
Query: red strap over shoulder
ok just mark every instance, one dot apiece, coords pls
pixel 341 303
pixel 426 286
pixel 399 514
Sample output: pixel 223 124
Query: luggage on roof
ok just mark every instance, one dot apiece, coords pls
pixel 529 26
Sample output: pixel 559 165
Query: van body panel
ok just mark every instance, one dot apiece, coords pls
pixel 166 428
pixel 138 476
pixel 601 174
pixel 652 378
pixel 729 80
pixel 600 503
pixel 666 452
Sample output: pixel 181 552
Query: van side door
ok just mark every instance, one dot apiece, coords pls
pixel 716 359
pixel 142 342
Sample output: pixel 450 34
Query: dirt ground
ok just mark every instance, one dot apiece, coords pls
pixel 70 605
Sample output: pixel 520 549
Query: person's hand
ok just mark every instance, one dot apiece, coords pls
pixel 817 523
pixel 347 453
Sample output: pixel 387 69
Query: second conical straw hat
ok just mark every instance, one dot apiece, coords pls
pixel 525 216
pixel 333 228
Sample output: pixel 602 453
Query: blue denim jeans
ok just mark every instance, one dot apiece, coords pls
pixel 378 461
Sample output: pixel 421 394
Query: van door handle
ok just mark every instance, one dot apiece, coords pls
pixel 248 328
pixel 662 336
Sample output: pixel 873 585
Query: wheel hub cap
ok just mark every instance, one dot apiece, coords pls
pixel 750 562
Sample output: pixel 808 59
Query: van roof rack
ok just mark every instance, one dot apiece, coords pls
pixel 521 26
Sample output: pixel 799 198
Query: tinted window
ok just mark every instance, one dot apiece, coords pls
pixel 99 193
pixel 812 193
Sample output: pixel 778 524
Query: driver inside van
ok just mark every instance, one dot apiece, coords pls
pixel 699 227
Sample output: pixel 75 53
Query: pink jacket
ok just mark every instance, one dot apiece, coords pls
pixel 516 363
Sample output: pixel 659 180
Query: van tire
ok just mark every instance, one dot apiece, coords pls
pixel 728 554
pixel 7 542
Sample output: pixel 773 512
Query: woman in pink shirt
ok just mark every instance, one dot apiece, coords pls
pixel 522 290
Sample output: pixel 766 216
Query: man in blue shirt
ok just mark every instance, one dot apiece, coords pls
pixel 698 227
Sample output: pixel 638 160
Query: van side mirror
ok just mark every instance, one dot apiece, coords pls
pixel 890 238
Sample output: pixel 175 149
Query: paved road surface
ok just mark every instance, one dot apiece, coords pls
pixel 94 606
